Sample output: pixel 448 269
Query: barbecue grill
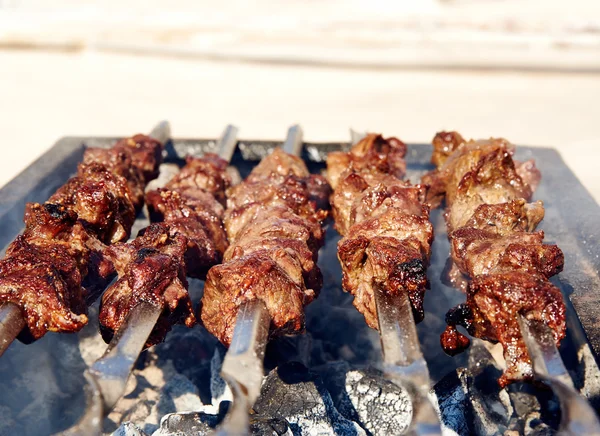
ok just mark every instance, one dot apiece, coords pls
pixel 330 380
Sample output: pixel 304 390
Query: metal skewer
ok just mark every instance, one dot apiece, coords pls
pixel 243 366
pixel 112 370
pixel 12 320
pixel 11 324
pixel 403 361
pixel 578 417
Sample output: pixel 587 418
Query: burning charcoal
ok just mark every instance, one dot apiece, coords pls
pixel 191 423
pixel 274 426
pixel 194 350
pixel 219 389
pixel 492 407
pixel 298 396
pixel 456 414
pixel 154 392
pixel 382 407
pixel 129 429
pixel 471 404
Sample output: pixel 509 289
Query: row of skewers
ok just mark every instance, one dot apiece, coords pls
pixel 257 243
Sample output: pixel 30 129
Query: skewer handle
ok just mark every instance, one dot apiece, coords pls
pixel 578 417
pixel 356 136
pixel 244 360
pixel 11 324
pixel 403 361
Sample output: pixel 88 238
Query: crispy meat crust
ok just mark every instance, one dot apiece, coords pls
pixel 151 268
pixel 374 152
pixel 192 205
pixel 186 238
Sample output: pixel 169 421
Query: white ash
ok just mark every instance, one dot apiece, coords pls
pixel 382 407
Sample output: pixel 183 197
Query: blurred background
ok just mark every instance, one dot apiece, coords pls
pixel 528 70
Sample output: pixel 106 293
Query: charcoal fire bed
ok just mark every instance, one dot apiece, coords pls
pixel 327 381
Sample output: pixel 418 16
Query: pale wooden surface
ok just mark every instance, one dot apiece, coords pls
pixel 46 96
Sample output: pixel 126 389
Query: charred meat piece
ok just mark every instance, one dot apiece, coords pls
pixel 494 244
pixel 478 252
pixel 273 222
pixel 120 163
pixel 383 155
pixel 491 312
pixel 151 268
pixel 192 205
pixel 385 226
pixel 58 264
pixel 207 174
pixel 255 276
pixel 101 200
pixel 145 152
pixel 44 281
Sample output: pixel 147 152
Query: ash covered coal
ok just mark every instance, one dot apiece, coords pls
pixel 295 400
pixel 293 394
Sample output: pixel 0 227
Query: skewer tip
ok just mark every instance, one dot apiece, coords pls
pixel 294 140
pixel 161 132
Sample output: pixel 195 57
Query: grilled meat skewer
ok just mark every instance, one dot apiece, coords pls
pixel 273 221
pixel 187 238
pixel 151 294
pixel 384 254
pixel 273 225
pixel 384 223
pixel 51 270
pixel 494 245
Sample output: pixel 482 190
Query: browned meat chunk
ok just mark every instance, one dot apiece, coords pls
pixel 145 152
pixel 278 163
pixel 444 144
pixel 151 268
pixel 361 195
pixel 101 200
pixel 505 218
pixel 119 162
pixel 374 152
pixel 207 174
pixel 492 181
pixel 197 221
pixel 44 281
pixel 251 277
pixel 273 222
pixel 191 205
pixel 494 303
pixel 478 252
